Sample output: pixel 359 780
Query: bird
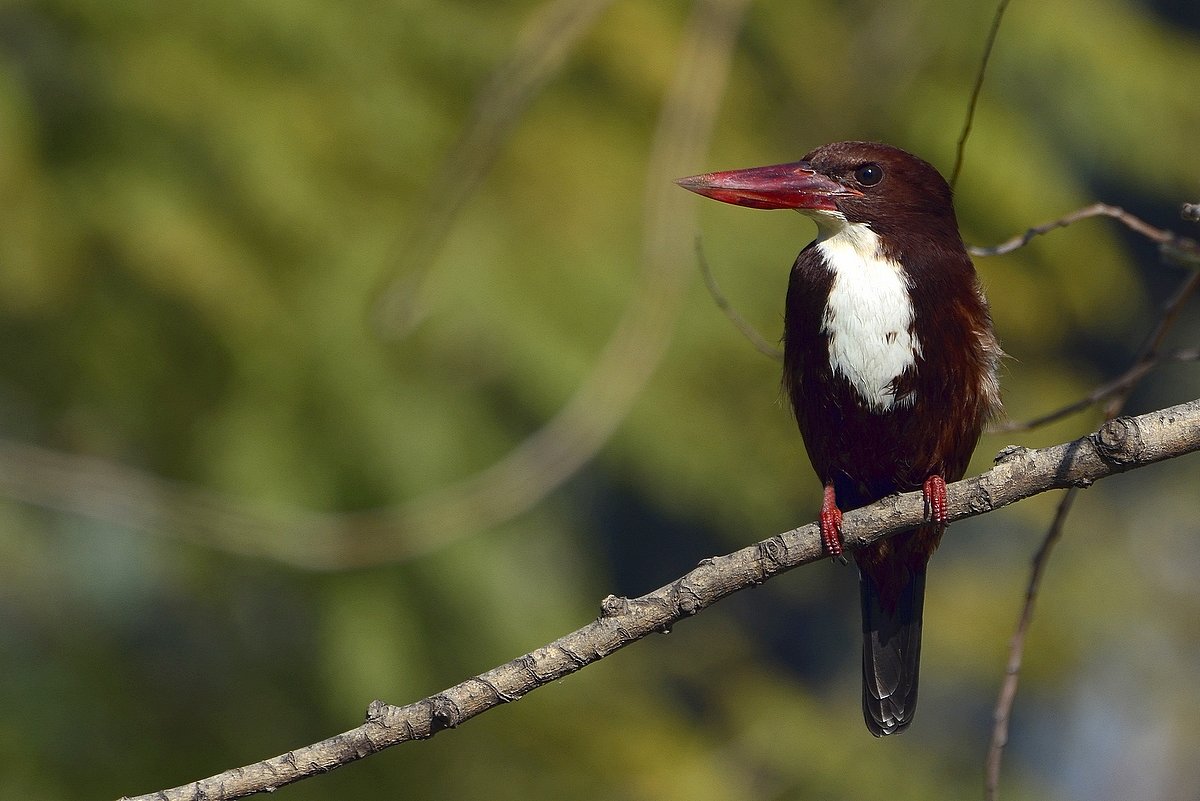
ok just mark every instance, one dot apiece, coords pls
pixel 890 363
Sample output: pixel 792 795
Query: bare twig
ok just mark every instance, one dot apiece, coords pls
pixel 1120 445
pixel 1174 248
pixel 748 331
pixel 1118 385
pixel 1002 714
pixel 1149 350
pixel 975 90
pixel 1016 650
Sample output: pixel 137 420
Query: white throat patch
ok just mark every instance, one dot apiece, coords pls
pixel 869 315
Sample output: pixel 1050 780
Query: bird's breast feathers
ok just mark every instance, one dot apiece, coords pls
pixel 868 317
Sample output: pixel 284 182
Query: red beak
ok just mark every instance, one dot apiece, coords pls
pixel 780 186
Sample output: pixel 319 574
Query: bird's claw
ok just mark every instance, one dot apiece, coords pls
pixel 934 491
pixel 831 526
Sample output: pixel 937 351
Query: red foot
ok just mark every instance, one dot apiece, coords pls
pixel 831 523
pixel 934 491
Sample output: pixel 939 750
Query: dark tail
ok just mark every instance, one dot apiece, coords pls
pixel 891 651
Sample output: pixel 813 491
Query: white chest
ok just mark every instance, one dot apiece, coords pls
pixel 868 318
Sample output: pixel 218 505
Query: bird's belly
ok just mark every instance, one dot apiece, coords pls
pixel 868 454
pixel 873 455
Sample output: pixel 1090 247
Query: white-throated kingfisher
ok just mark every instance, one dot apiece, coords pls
pixel 890 363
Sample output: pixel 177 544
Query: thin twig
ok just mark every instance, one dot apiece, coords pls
pixel 1119 384
pixel 1008 689
pixel 1016 650
pixel 1119 446
pixel 1173 247
pixel 1149 350
pixel 975 90
pixel 748 331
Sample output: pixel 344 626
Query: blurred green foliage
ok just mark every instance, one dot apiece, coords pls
pixel 202 207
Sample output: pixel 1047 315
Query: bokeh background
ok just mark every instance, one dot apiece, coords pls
pixel 351 349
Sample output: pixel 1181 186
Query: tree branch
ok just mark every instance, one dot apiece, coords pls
pixel 1176 249
pixel 989 43
pixel 1120 445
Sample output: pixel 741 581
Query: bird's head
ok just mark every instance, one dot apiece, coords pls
pixel 886 188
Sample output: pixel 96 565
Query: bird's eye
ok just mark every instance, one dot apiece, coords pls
pixel 869 174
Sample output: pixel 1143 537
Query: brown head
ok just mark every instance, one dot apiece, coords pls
pixel 897 194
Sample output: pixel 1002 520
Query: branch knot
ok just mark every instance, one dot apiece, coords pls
pixel 772 554
pixel 378 712
pixel 1119 442
pixel 614 606
pixel 444 714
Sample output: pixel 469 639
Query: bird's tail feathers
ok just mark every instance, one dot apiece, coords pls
pixel 891 622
